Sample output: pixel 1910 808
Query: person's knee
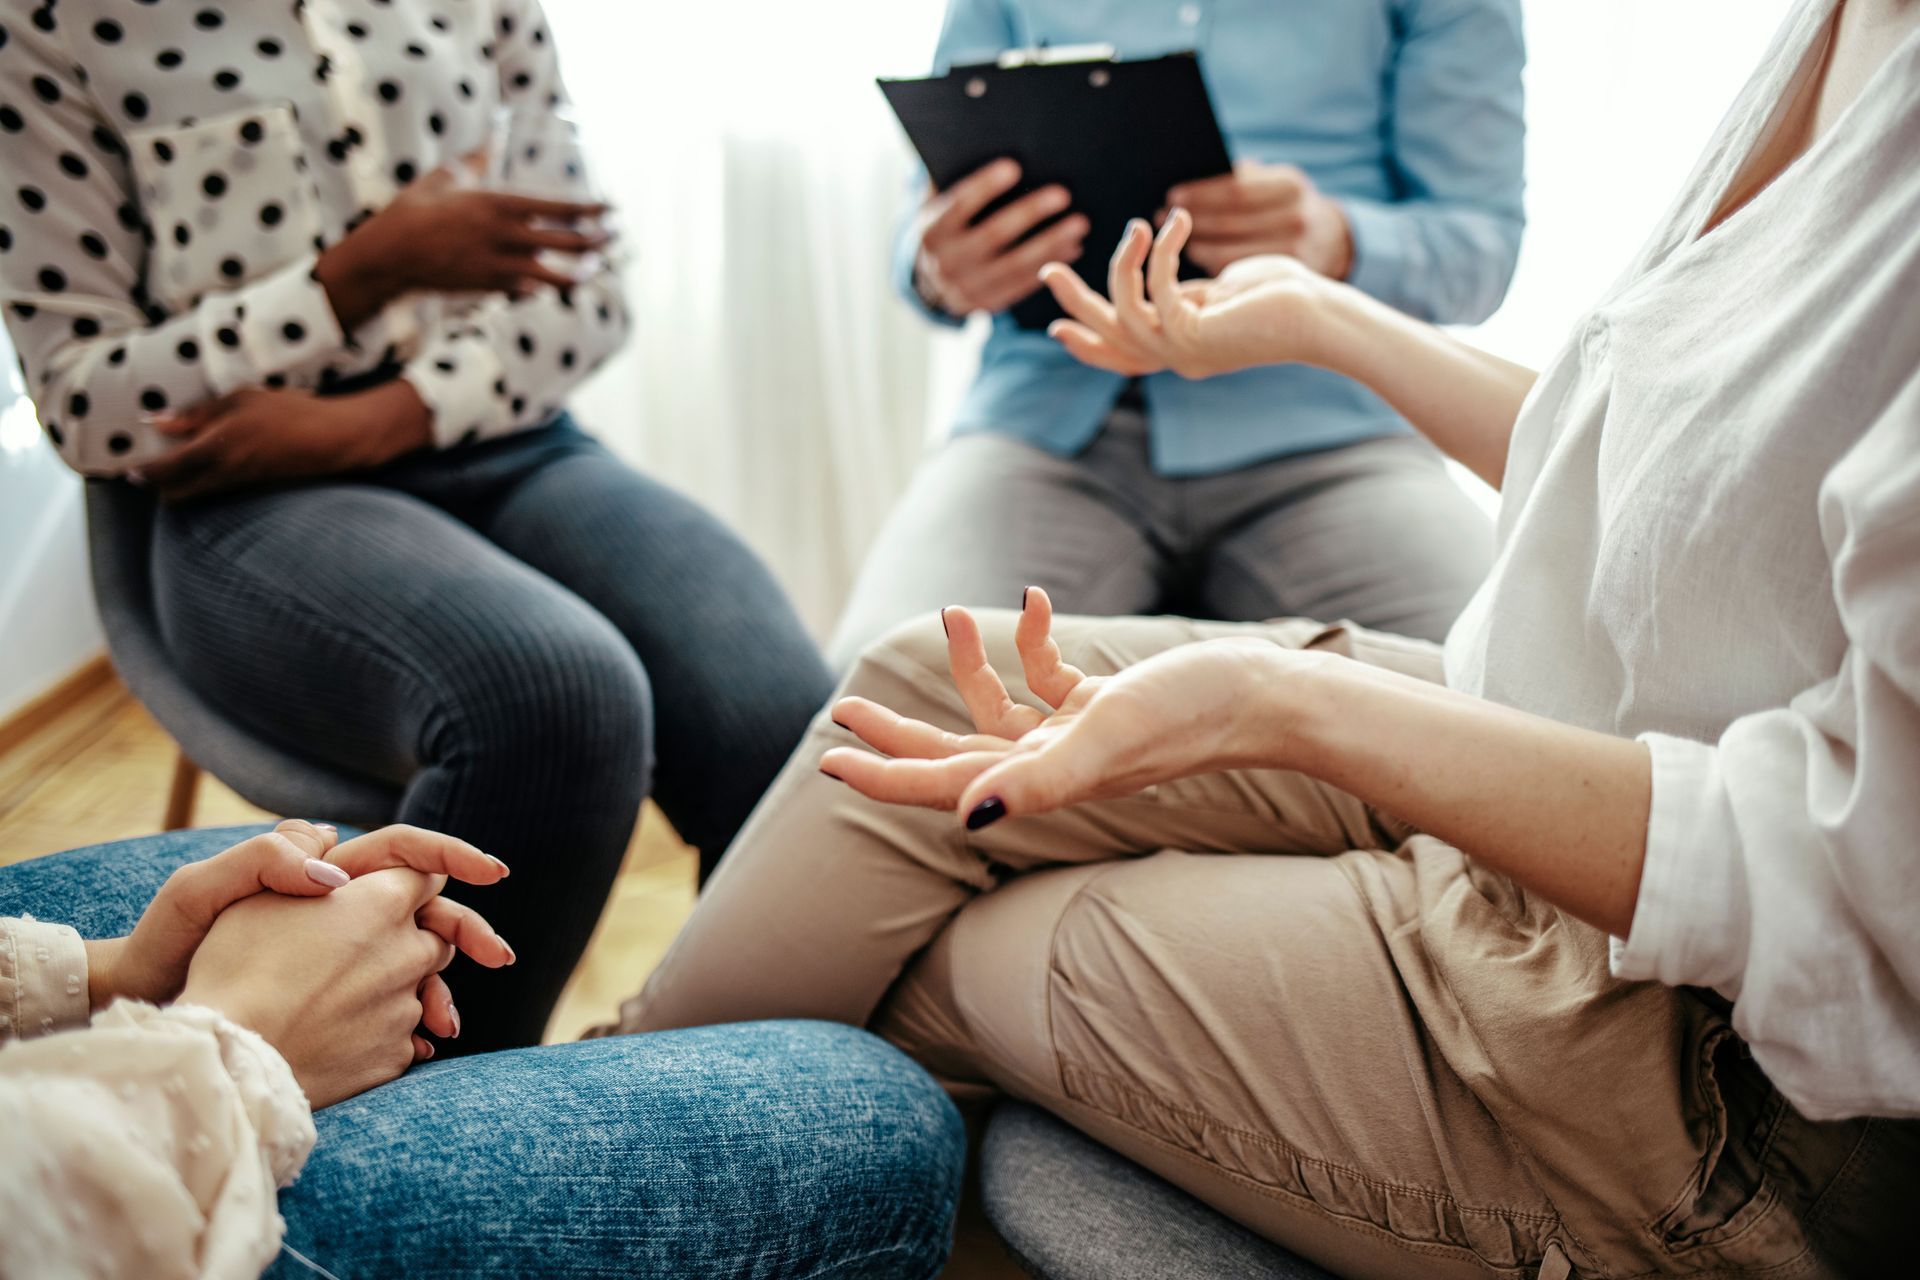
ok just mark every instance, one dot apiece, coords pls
pixel 549 691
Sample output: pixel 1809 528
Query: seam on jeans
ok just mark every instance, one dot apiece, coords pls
pixel 1283 1147
pixel 1308 1204
pixel 1843 1181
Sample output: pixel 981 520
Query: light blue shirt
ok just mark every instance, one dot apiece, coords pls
pixel 1407 111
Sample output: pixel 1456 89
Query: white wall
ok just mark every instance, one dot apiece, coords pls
pixel 47 624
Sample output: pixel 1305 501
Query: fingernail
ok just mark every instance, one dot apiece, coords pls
pixel 1024 593
pixel 511 957
pixel 429 1045
pixel 326 873
pixel 505 870
pixel 453 1015
pixel 844 725
pixel 831 774
pixel 137 479
pixel 986 813
pixel 326 826
pixel 943 624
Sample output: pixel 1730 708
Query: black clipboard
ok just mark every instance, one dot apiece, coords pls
pixel 1117 134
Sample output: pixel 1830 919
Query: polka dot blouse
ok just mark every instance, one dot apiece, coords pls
pixel 172 170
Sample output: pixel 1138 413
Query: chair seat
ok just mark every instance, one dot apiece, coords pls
pixel 1070 1209
pixel 120 537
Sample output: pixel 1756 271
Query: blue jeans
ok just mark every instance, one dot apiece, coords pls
pixel 778 1149
pixel 522 638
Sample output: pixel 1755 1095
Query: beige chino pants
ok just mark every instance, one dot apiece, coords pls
pixel 1360 1044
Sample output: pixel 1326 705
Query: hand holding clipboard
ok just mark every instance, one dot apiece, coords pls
pixel 1114 136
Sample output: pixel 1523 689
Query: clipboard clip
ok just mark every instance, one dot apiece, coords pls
pixel 1057 55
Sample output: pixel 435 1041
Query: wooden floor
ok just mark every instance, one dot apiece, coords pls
pixel 93 766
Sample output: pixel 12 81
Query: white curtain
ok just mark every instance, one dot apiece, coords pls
pixel 757 172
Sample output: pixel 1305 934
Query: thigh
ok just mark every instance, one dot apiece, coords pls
pixel 101 890
pixel 735 675
pixel 1376 532
pixel 773 1150
pixel 988 515
pixel 350 623
pixel 1385 1061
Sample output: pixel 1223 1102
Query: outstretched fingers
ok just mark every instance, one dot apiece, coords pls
pixel 420 850
pixel 1050 678
pixel 993 709
pixel 930 784
pixel 893 734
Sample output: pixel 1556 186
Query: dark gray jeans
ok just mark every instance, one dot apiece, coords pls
pixel 1376 532
pixel 525 636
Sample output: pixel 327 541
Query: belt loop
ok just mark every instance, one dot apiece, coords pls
pixel 1555 1265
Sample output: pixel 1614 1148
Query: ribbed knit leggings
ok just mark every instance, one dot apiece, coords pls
pixel 523 637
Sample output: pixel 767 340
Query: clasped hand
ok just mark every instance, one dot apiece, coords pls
pixel 1199 708
pixel 342 983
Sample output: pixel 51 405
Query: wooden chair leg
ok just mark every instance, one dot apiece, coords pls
pixel 180 797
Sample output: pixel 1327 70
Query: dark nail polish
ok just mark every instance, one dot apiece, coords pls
pixel 986 813
pixel 844 725
pixel 1024 593
pixel 831 774
pixel 943 624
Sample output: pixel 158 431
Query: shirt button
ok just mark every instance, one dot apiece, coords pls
pixel 1190 15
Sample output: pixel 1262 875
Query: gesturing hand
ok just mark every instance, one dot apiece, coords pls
pixel 1260 311
pixel 1264 209
pixel 296 859
pixel 339 985
pixel 1172 716
pixel 965 265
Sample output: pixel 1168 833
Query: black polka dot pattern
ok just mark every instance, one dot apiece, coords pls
pixel 253 137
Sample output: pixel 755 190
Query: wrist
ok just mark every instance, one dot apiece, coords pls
pixel 357 289
pixel 1297 693
pixel 401 420
pixel 103 957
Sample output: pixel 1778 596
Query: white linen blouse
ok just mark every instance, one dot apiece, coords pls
pixel 172 172
pixel 1710 541
pixel 151 1143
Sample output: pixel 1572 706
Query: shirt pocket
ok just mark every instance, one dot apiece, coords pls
pixel 229 199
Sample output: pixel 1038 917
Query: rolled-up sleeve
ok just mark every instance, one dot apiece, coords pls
pixel 43 978
pixel 1783 861
pixel 1444 247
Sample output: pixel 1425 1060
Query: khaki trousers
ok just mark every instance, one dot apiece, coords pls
pixel 1361 1044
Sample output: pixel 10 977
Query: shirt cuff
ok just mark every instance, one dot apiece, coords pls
pixel 1382 266
pixel 461 386
pixel 1690 920
pixel 284 322
pixel 43 978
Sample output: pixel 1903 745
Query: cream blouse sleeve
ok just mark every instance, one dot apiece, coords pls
pixel 151 1143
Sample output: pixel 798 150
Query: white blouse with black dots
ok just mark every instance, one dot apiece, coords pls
pixel 172 169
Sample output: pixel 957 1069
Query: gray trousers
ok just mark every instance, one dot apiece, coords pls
pixel 1375 532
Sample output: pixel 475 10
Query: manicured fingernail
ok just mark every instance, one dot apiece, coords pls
pixel 326 826
pixel 1024 593
pixel 831 774
pixel 453 1016
pixel 844 725
pixel 505 870
pixel 511 957
pixel 943 624
pixel 326 873
pixel 986 813
pixel 429 1045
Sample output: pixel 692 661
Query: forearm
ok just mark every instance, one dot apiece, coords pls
pixel 1463 399
pixel 1562 811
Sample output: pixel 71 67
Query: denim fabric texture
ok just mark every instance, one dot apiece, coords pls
pixel 524 638
pixel 766 1150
